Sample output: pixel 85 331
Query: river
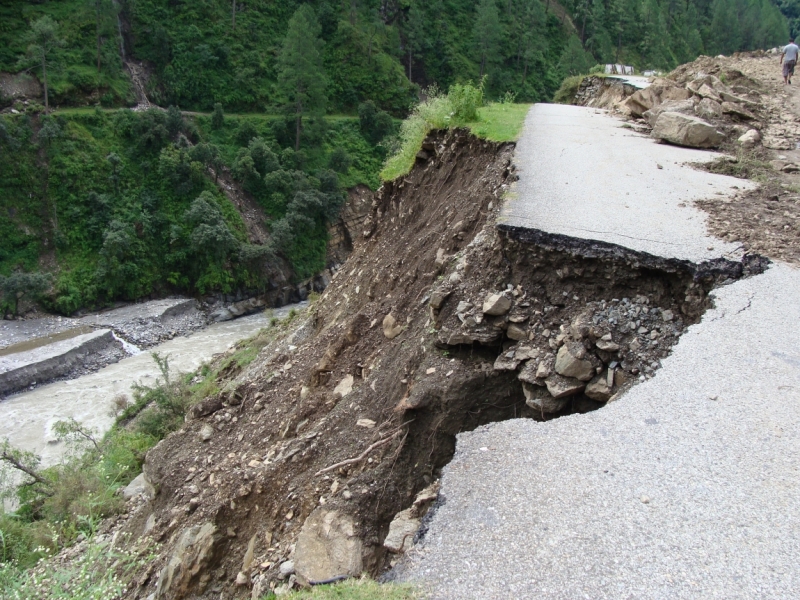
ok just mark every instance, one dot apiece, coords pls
pixel 26 419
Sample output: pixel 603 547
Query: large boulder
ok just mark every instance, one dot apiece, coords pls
pixel 680 106
pixel 660 91
pixel 188 568
pixel 327 547
pixel 685 130
pixel 708 109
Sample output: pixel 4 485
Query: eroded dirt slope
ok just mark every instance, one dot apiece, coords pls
pixel 437 323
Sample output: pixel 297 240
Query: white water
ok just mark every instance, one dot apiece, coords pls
pixel 27 419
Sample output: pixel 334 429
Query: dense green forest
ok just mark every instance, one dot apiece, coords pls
pixel 118 205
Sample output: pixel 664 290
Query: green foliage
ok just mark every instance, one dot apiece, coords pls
pixel 356 589
pixel 301 77
pixel 375 124
pixel 439 111
pixel 43 41
pixel 569 87
pixel 218 117
pixel 500 121
pixel 340 161
pixel 101 571
pixel 17 286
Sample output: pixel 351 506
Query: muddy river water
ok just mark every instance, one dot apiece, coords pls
pixel 27 419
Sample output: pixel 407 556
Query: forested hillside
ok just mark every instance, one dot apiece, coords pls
pixel 119 205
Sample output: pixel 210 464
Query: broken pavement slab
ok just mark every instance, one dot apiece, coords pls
pixel 583 174
pixel 663 493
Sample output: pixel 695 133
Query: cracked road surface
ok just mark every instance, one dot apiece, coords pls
pixel 582 174
pixel 685 487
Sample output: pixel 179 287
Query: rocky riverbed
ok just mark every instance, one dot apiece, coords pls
pixel 26 419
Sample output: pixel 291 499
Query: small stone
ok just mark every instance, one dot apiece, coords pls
pixel 368 423
pixel 667 315
pixel 242 579
pixel 430 371
pixel 569 364
pixel 496 305
pixel 562 387
pixel 463 306
pixel 437 299
pixel 607 345
pixel 750 138
pixel 345 386
pixel 543 370
pixel 599 389
pixel 515 332
pixel 347 495
pixel 205 432
pixel 541 400
pixel 635 344
pixel 287 568
pixel 645 500
pixel 390 327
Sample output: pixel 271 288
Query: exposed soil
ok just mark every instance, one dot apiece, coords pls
pixel 397 357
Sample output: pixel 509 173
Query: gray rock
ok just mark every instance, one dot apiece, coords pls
pixel 685 130
pixel 507 361
pixel 205 433
pixel 667 315
pixel 750 138
pixel 463 306
pixel 287 568
pixel 327 546
pixel 598 388
pixel 708 109
pixel 390 327
pixel 539 399
pixel 515 332
pixel 437 298
pixel 729 108
pixel 570 363
pixel 543 370
pixel 140 485
pixel 402 530
pixel 607 344
pixel 562 387
pixel 496 305
pixel 188 562
pixel 528 374
pixel 222 314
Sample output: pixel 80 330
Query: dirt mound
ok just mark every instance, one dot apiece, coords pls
pixel 439 322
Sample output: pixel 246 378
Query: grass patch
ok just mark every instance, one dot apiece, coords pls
pixel 355 589
pixel 500 121
pixel 569 87
pixel 462 106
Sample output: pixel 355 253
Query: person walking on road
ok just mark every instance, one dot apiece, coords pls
pixel 789 60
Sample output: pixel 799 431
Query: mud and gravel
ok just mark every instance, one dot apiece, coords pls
pixel 397 357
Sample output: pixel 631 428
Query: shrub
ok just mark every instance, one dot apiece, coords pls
pixel 217 117
pixel 339 160
pixel 569 87
pixel 465 100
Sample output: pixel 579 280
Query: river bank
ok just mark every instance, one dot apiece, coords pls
pixel 26 419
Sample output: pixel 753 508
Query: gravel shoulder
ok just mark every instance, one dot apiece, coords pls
pixel 686 487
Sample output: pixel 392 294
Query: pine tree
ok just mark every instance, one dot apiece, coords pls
pixel 301 76
pixel 43 42
pixel 487 35
pixel 574 60
pixel 415 35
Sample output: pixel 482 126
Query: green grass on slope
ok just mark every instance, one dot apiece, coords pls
pixel 500 122
pixel 355 589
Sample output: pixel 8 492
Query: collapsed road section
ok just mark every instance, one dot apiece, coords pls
pixel 319 458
